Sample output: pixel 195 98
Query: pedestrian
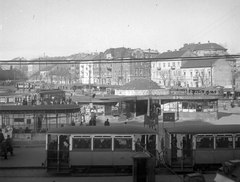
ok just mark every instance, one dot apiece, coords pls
pixel 106 123
pixel 138 146
pixel 94 120
pixel 224 106
pixel 9 145
pixel 232 103
pixel 1 136
pixel 3 148
pixel 27 130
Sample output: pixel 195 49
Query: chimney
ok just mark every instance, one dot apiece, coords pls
pixel 208 41
pixel 199 42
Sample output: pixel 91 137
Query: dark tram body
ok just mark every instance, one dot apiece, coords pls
pixel 77 148
pixel 51 96
pixel 201 146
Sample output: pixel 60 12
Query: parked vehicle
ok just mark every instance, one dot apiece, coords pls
pixel 229 172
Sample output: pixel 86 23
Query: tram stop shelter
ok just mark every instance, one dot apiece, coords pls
pixel 37 118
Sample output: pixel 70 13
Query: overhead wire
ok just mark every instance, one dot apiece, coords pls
pixel 215 23
pixel 112 61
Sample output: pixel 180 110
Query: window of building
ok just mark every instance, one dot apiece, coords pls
pixel 82 143
pixel 28 121
pixel 140 72
pixel 179 64
pixel 173 64
pixel 163 64
pixel 136 72
pixel 191 74
pixel 121 143
pixel 168 64
pixel 204 141
pixel 224 141
pixel 102 143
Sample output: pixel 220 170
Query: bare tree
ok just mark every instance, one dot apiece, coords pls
pixel 203 78
pixel 166 76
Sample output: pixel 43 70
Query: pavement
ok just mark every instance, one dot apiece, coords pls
pixel 24 157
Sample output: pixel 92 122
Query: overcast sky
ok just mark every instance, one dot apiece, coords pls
pixel 32 28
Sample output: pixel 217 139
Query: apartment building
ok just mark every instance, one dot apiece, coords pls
pixel 205 49
pixel 166 69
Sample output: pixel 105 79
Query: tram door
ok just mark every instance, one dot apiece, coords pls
pixel 63 153
pixel 52 153
pixel 181 145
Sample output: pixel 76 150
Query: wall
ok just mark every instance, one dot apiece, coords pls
pixel 222 73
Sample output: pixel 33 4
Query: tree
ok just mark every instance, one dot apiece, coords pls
pixel 166 76
pixel 203 78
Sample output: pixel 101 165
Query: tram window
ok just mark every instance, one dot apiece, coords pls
pixel 122 143
pixel 224 142
pixel 204 142
pixel 237 141
pixel 102 143
pixel 82 143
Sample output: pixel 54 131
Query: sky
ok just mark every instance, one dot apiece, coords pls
pixel 37 28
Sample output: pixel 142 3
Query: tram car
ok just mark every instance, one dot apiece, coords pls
pixel 79 148
pixel 200 147
pixel 51 96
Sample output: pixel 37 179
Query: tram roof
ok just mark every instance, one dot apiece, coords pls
pixel 102 130
pixel 204 129
pixel 38 107
pixel 50 91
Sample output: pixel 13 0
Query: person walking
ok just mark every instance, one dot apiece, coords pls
pixel 3 148
pixel 9 145
pixel 1 136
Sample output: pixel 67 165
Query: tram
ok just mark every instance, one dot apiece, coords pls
pixel 194 147
pixel 76 149
pixel 51 95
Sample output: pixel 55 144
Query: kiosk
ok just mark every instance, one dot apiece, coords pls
pixel 143 167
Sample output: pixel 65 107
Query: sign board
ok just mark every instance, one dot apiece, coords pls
pixel 168 117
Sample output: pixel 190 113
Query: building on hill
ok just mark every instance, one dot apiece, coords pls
pixel 205 49
pixel 122 65
pixel 166 69
pixel 141 87
pixel 205 73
